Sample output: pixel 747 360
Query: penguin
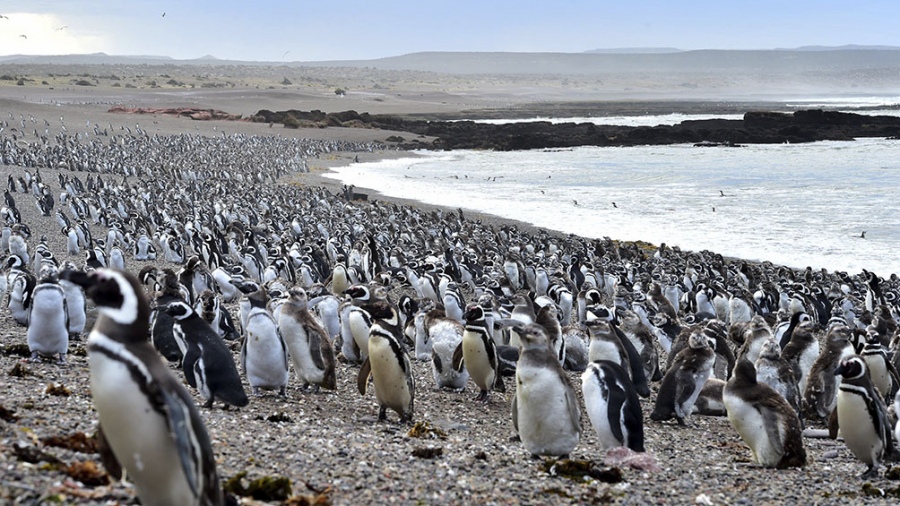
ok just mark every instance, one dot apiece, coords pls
pixel 446 337
pixel 763 419
pixel 709 402
pixel 264 357
pixel 801 352
pixel 161 324
pixel 478 353
pixel 422 343
pixel 389 367
pixel 212 311
pixel 207 363
pixel 307 342
pixel 609 343
pixel 147 418
pixel 545 411
pixel 48 325
pixel 862 416
pixel 683 381
pixel 881 369
pixel 754 335
pixel 21 284
pixel 454 302
pixel 644 342
pixel 773 370
pixel 76 306
pixel 613 406
pixel 575 337
pixel 821 387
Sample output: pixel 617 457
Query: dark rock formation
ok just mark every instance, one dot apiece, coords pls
pixel 186 112
pixel 754 128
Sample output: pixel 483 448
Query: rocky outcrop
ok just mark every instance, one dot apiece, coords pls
pixel 185 112
pixel 754 128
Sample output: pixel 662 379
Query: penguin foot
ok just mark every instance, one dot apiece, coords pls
pixel 482 396
pixel 34 357
pixel 256 392
pixel 61 360
pixel 281 392
pixel 871 473
pixel 515 439
pixel 382 414
pixel 75 336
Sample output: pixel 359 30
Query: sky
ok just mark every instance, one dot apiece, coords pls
pixel 301 30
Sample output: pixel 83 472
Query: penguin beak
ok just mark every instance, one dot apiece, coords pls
pixel 840 369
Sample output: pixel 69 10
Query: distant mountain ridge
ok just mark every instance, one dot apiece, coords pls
pixel 811 60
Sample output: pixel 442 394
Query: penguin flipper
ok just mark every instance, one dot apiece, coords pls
pixel 314 338
pixel 182 429
pixel 615 402
pixel 515 413
pixel 107 457
pixel 362 381
pixel 498 382
pixel 457 362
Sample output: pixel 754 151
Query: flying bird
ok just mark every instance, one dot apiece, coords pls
pixel 62 28
pixel 164 14
pixel 3 17
pixel 23 36
pixel 285 53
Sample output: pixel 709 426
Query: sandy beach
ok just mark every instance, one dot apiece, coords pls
pixel 329 446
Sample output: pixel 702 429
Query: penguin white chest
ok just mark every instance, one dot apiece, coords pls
pixel 265 363
pixel 388 375
pixel 545 425
pixel 751 426
pixel 856 425
pixel 294 334
pixel 477 362
pixel 604 350
pixel 124 409
pixel 596 403
pixel 47 330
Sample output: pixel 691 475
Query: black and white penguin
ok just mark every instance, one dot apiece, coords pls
pixel 478 354
pixel 147 418
pixel 76 306
pixel 862 416
pixel 684 380
pixel 545 411
pixel 763 419
pixel 881 369
pixel 213 311
pixel 161 323
pixel 613 406
pixel 48 325
pixel 264 355
pixel 207 363
pixel 20 282
pixel 709 402
pixel 307 342
pixel 389 367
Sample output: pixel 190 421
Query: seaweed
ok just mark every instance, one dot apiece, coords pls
pixel 581 470
pixel 78 442
pixel 265 488
pixel 425 430
pixel 428 452
pixel 58 390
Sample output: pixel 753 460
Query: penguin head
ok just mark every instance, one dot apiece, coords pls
pixel 473 313
pixel 117 294
pixel 178 310
pixel 297 294
pixel 358 292
pixel 852 367
pixel 533 336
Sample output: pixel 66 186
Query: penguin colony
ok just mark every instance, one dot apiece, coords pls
pixel 184 250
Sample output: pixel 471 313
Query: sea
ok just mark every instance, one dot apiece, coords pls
pixel 832 205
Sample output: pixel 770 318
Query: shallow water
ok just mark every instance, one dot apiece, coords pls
pixel 797 205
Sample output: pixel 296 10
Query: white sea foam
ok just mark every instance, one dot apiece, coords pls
pixel 797 205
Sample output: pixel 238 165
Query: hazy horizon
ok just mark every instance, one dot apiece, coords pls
pixel 364 30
